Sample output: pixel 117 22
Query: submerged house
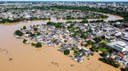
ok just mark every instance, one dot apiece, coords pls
pixel 79 58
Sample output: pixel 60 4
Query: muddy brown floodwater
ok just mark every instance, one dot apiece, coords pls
pixel 110 17
pixel 16 56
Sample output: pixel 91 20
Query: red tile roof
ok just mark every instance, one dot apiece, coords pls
pixel 121 54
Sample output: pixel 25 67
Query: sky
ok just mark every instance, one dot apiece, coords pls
pixel 66 0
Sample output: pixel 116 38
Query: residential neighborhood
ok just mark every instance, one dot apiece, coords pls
pixel 102 36
pixel 63 35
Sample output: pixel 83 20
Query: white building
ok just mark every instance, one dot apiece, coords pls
pixel 119 46
pixel 108 29
pixel 125 37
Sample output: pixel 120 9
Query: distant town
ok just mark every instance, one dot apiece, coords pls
pixel 78 40
pixel 21 11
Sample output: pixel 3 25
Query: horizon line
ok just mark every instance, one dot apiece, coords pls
pixel 61 1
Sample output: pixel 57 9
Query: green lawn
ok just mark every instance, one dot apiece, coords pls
pixel 102 49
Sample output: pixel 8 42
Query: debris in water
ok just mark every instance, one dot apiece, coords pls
pixel 10 59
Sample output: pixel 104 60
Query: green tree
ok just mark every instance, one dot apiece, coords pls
pixel 97 39
pixel 35 29
pixel 110 61
pixel 105 54
pixel 38 45
pixel 24 41
pixel 38 33
pixel 84 21
pixel 24 27
pixel 18 32
pixel 94 49
pixel 33 44
pixel 90 42
pixel 66 52
pixel 126 68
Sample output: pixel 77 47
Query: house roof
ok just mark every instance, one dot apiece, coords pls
pixel 125 59
pixel 118 45
pixel 121 54
pixel 108 28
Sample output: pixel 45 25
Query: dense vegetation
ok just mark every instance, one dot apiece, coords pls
pixel 84 21
pixel 10 21
pixel 110 61
pixel 21 19
pixel 57 25
pixel 37 45
pixel 18 33
pixel 66 52
pixel 99 44
pixel 125 69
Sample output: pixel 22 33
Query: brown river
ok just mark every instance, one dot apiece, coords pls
pixel 16 56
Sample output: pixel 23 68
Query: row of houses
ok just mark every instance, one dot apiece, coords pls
pixel 53 36
pixel 47 14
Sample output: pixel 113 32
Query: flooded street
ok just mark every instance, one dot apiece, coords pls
pixel 16 56
pixel 112 17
